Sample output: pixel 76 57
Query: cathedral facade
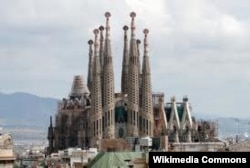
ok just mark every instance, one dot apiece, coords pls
pixel 93 111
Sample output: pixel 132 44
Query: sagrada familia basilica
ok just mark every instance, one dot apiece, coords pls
pixel 93 113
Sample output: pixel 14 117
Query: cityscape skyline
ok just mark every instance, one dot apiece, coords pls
pixel 199 50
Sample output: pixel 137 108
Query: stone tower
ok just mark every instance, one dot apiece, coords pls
pixel 90 42
pixel 125 63
pixel 101 56
pixel 96 97
pixel 108 85
pixel 138 42
pixel 78 88
pixel 51 136
pixel 133 91
pixel 146 110
pixel 101 28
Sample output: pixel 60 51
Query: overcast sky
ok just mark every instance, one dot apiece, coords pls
pixel 199 48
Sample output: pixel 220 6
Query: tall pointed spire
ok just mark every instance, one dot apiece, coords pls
pixel 146 111
pixel 132 15
pixel 133 91
pixel 125 63
pixel 138 42
pixel 50 121
pixel 90 42
pixel 96 97
pixel 51 137
pixel 101 55
pixel 108 85
pixel 146 66
pixel 96 66
pixel 101 28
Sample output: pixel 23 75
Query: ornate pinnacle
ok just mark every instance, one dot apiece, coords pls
pixel 173 99
pixel 125 28
pixel 107 15
pixel 132 15
pixel 96 31
pixel 90 42
pixel 185 98
pixel 145 31
pixel 101 28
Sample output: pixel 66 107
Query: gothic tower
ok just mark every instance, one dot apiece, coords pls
pixel 133 91
pixel 96 97
pixel 101 56
pixel 146 110
pixel 125 63
pixel 138 42
pixel 108 85
pixel 90 42
pixel 50 137
pixel 101 28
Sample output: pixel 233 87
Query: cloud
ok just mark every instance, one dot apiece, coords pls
pixel 197 47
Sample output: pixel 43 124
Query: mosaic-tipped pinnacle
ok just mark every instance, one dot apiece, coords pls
pixel 90 42
pixel 145 31
pixel 125 27
pixel 96 31
pixel 132 14
pixel 101 28
pixel 107 14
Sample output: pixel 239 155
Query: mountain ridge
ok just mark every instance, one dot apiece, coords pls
pixel 21 108
pixel 23 114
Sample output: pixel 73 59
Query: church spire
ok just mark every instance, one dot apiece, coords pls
pixel 133 91
pixel 96 99
pixel 108 85
pixel 146 66
pixel 132 15
pixel 133 51
pixel 125 63
pixel 51 137
pixel 51 121
pixel 101 28
pixel 146 111
pixel 90 42
pixel 138 42
pixel 101 56
pixel 96 67
pixel 107 15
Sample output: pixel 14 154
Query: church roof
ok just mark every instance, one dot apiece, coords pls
pixel 113 159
